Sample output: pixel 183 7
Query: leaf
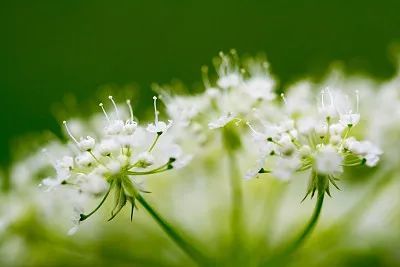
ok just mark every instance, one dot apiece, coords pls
pixel 121 204
pixel 128 187
pixel 332 180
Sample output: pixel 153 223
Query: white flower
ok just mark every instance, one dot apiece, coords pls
pixel 365 149
pixel 229 75
pixel 347 115
pixel 229 80
pixel 306 125
pixel 75 220
pixel 260 87
pixel 63 169
pixel 298 99
pixel 286 146
pixel 85 160
pixel 336 129
pixel 285 167
pixel 108 146
pixel 178 158
pixel 84 144
pixel 221 121
pixel 130 127
pixel 321 129
pixel 328 161
pixel 158 127
pixel 115 127
pixel 349 119
pixel 327 108
pixel 145 159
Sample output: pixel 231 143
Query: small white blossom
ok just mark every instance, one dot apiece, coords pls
pixel 285 167
pixel 158 127
pixel 221 121
pixel 328 161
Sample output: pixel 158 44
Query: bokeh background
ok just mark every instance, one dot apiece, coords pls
pixel 50 49
pixel 66 53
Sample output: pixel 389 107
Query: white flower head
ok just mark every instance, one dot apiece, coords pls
pixel 328 161
pixel 320 143
pixel 122 151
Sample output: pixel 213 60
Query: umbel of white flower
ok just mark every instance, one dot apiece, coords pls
pixel 319 142
pixel 122 151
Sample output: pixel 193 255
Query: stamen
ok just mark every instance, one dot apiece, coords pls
pixel 283 98
pixel 237 121
pixel 330 96
pixel 204 74
pixel 115 105
pixel 128 102
pixel 104 111
pixel 69 132
pixel 348 103
pixel 265 65
pixel 251 127
pixel 155 110
pixel 234 56
pixel 224 66
pixel 357 99
pixel 322 98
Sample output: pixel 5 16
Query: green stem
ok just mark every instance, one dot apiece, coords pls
pixel 237 198
pixel 195 254
pixel 310 226
pixel 282 258
pixel 154 142
pixel 85 216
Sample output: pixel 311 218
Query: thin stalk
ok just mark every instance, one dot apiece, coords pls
pixel 85 216
pixel 237 223
pixel 282 258
pixel 191 251
pixel 154 142
pixel 310 226
pixel 346 223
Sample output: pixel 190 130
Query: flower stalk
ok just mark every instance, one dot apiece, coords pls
pixel 237 223
pixel 188 248
pixel 283 257
pixel 310 226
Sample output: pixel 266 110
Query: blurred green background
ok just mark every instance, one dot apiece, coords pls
pixel 51 48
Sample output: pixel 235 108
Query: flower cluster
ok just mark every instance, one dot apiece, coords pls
pixel 295 134
pixel 238 122
pixel 114 159
pixel 313 137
